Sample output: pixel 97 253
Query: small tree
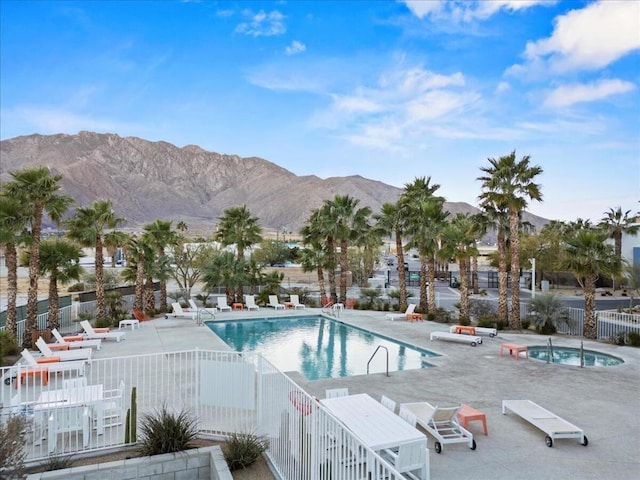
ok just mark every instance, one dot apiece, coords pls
pixel 547 312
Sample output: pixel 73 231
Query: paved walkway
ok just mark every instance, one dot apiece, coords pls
pixel 604 401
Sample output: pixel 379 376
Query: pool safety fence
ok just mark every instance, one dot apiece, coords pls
pixel 225 392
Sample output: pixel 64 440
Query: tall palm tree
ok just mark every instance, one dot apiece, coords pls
pixel 588 257
pixel 112 241
pixel 87 227
pixel 160 234
pixel 315 255
pixel 13 233
pixel 39 191
pixel 391 221
pixel 459 242
pixel 498 219
pixel 240 228
pixel 351 223
pixel 223 269
pixel 508 184
pixel 616 223
pixel 137 250
pixel 60 260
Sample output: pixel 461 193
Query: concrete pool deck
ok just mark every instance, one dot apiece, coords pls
pixel 603 401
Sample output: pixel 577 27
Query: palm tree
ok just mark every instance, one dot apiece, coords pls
pixel 182 226
pixel 39 191
pixel 391 221
pixel 13 233
pixel 160 235
pixel 87 227
pixel 588 257
pixel 223 269
pixel 112 241
pixel 315 255
pixel 134 272
pixel 546 311
pixel 240 228
pixel 60 260
pixel 350 224
pixel 459 242
pixel 507 185
pixel 615 223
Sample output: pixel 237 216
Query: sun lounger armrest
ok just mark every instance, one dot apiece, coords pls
pixel 48 360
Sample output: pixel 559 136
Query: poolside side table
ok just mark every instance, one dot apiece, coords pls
pixel 132 322
pixel 466 329
pixel 468 414
pixel 412 317
pixel 237 306
pixel 514 348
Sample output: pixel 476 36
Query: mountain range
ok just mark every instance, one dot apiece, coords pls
pixel 157 180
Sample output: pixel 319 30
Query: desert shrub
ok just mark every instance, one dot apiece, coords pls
pixel 482 308
pixel 526 323
pixel 440 315
pixel 164 432
pixel 491 322
pixel 464 321
pixel 8 345
pixel 76 287
pixel 57 463
pixel 243 449
pixel 13 437
pixel 634 339
pixel 618 338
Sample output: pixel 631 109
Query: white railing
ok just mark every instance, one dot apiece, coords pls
pixel 227 392
pixel 612 324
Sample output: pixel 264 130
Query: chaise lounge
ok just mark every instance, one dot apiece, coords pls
pixel 472 340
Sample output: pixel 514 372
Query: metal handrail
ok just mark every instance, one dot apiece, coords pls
pixel 549 351
pixel 374 354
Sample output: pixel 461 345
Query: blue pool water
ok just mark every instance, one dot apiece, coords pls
pixel 571 356
pixel 318 347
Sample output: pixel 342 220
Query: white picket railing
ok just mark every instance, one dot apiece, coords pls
pixel 226 392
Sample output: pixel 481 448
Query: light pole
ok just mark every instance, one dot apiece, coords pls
pixel 533 277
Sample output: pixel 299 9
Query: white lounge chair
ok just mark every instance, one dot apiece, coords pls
pixel 76 341
pixel 550 423
pixel 275 303
pixel 295 301
pixel 179 312
pixel 52 365
pixel 472 340
pixel 64 355
pixel 222 304
pixel 92 333
pixel 194 307
pixel 492 332
pixel 250 302
pixel 402 316
pixel 442 423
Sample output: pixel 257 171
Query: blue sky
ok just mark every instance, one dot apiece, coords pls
pixel 389 90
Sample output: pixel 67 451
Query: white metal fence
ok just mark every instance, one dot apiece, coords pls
pixel 226 392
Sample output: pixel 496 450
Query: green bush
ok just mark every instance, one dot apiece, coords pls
pixel 491 322
pixel 526 323
pixel 464 321
pixel 634 339
pixel 243 449
pixel 163 432
pixel 8 345
pixel 57 463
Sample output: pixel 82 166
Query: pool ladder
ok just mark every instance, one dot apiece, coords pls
pixel 374 354
pixel 549 351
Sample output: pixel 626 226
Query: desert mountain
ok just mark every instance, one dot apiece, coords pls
pixel 149 180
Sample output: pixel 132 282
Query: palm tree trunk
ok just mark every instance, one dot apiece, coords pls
pixel 423 282
pixel 101 307
pixel 54 302
pixel 11 257
pixel 321 285
pixel 138 302
pixel 514 237
pixel 149 299
pixel 474 274
pixel 502 279
pixel 464 288
pixel 34 265
pixel 332 269
pixel 343 271
pixel 402 277
pixel 590 329
pixel 432 286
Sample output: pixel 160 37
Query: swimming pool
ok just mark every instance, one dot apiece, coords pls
pixel 319 347
pixel 571 356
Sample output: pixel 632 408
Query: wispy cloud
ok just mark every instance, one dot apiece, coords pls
pixel 571 94
pixel 466 10
pixel 586 39
pixel 262 24
pixel 295 47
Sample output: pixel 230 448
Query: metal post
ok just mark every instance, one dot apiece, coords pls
pixel 533 277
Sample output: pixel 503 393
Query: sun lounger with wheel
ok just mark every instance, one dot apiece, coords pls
pixel 442 423
pixel 93 333
pixel 550 423
pixel 76 341
pixel 64 355
pixel 179 312
pixel 472 340
pixel 492 332
pixel 402 316
pixel 53 364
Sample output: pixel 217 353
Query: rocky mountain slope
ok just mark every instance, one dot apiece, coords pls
pixel 149 180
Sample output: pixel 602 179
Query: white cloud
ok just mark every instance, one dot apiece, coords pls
pixel 50 120
pixel 567 95
pixel 587 39
pixel 262 24
pixel 466 10
pixel 295 47
pixel 503 87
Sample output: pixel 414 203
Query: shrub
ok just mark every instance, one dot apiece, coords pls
pixel 13 436
pixel 163 432
pixel 243 449
pixel 76 287
pixel 526 323
pixel 491 322
pixel 634 339
pixel 464 321
pixel 57 463
pixel 8 345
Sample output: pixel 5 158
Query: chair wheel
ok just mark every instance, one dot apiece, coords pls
pixel 166 317
pixel 437 447
pixel 7 381
pixel 473 344
pixel 549 441
pixel 473 445
pixel 586 441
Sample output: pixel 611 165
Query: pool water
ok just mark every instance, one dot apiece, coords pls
pixel 571 356
pixel 319 347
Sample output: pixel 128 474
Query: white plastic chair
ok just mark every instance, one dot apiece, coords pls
pixel 409 458
pixel 408 416
pixel 68 420
pixel 388 403
pixel 336 392
pixel 250 302
pixel 295 301
pixel 112 407
pixel 275 303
